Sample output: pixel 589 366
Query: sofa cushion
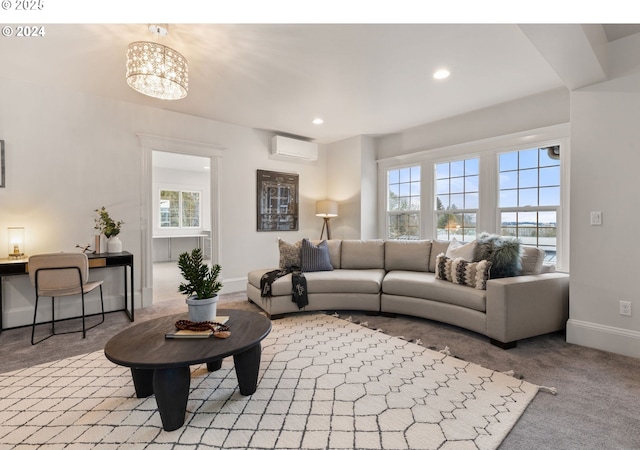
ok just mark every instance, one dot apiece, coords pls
pixel 367 254
pixel 531 260
pixel 289 253
pixel 504 254
pixel 407 255
pixel 281 286
pixel 437 247
pixel 335 246
pixel 362 281
pixel 459 249
pixel 425 285
pixel 315 258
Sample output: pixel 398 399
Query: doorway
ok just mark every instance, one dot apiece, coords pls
pixel 177 148
pixel 181 204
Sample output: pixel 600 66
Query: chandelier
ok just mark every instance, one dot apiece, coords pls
pixel 156 70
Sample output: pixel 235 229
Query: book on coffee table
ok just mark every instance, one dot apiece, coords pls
pixel 190 334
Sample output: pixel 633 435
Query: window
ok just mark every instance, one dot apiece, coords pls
pixel 179 209
pixel 457 199
pixel 529 197
pixel 403 203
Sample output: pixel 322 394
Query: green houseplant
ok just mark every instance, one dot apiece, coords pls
pixel 110 228
pixel 201 285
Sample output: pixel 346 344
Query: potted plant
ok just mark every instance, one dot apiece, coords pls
pixel 110 228
pixel 201 285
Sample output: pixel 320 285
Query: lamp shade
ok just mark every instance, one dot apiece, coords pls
pixel 326 208
pixel 157 71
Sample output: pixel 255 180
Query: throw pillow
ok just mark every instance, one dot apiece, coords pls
pixel 459 250
pixel 504 254
pixel 289 254
pixel 473 274
pixel 459 271
pixel 315 258
pixel 531 260
pixel 443 267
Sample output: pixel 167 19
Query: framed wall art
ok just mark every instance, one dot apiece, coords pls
pixel 2 179
pixel 277 201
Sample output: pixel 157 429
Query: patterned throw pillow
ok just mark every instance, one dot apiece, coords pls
pixel 443 267
pixel 459 271
pixel 289 254
pixel 315 258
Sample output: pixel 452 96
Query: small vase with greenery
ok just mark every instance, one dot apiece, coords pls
pixel 110 228
pixel 106 225
pixel 201 285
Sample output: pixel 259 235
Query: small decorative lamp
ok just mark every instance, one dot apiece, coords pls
pixel 16 242
pixel 326 209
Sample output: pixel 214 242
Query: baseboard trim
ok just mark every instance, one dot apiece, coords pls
pixel 603 337
pixel 234 285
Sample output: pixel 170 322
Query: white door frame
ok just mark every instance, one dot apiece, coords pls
pixel 149 143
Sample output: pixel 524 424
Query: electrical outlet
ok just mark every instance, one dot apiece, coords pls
pixel 625 308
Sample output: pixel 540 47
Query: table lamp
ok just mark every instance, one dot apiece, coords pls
pixel 16 242
pixel 326 209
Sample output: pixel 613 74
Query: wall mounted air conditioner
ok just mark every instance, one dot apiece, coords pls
pixel 294 148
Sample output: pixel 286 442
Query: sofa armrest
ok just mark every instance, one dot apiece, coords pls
pixel 526 306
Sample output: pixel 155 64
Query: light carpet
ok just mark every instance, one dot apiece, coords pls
pixel 325 383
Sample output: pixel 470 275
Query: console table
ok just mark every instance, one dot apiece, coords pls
pixel 11 267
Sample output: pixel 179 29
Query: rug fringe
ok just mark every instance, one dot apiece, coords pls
pixel 445 351
pixel 550 390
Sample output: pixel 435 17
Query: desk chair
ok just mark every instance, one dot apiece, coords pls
pixel 61 275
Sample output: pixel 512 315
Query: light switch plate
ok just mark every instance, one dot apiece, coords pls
pixel 596 217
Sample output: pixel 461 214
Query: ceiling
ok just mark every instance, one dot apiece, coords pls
pixel 361 79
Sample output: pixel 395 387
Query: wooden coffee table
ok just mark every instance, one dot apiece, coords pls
pixel 161 366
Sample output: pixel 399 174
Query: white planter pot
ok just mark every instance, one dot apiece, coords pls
pixel 204 310
pixel 114 245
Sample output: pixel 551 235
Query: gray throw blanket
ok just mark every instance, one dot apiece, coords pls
pixel 298 284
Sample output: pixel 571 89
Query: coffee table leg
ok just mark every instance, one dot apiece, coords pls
pixel 171 387
pixel 215 365
pixel 142 382
pixel 247 367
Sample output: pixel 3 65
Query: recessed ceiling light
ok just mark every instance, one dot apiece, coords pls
pixel 441 74
pixel 318 121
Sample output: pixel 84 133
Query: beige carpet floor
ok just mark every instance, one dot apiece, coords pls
pixel 598 392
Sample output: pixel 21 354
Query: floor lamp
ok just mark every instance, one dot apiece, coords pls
pixel 326 209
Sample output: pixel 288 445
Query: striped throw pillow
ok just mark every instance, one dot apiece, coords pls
pixel 315 258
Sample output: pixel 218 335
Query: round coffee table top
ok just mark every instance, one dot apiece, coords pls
pixel 144 346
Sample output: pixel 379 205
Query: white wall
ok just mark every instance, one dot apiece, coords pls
pixel 604 177
pixel 352 182
pixel 68 153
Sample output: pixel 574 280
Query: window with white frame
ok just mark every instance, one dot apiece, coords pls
pixel 529 197
pixel 457 199
pixel 179 209
pixel 403 203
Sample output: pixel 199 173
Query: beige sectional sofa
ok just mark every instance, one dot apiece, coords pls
pixel 401 277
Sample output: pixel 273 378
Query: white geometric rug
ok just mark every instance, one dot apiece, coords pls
pixel 325 383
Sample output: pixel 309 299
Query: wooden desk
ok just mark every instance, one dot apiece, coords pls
pixel 10 267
